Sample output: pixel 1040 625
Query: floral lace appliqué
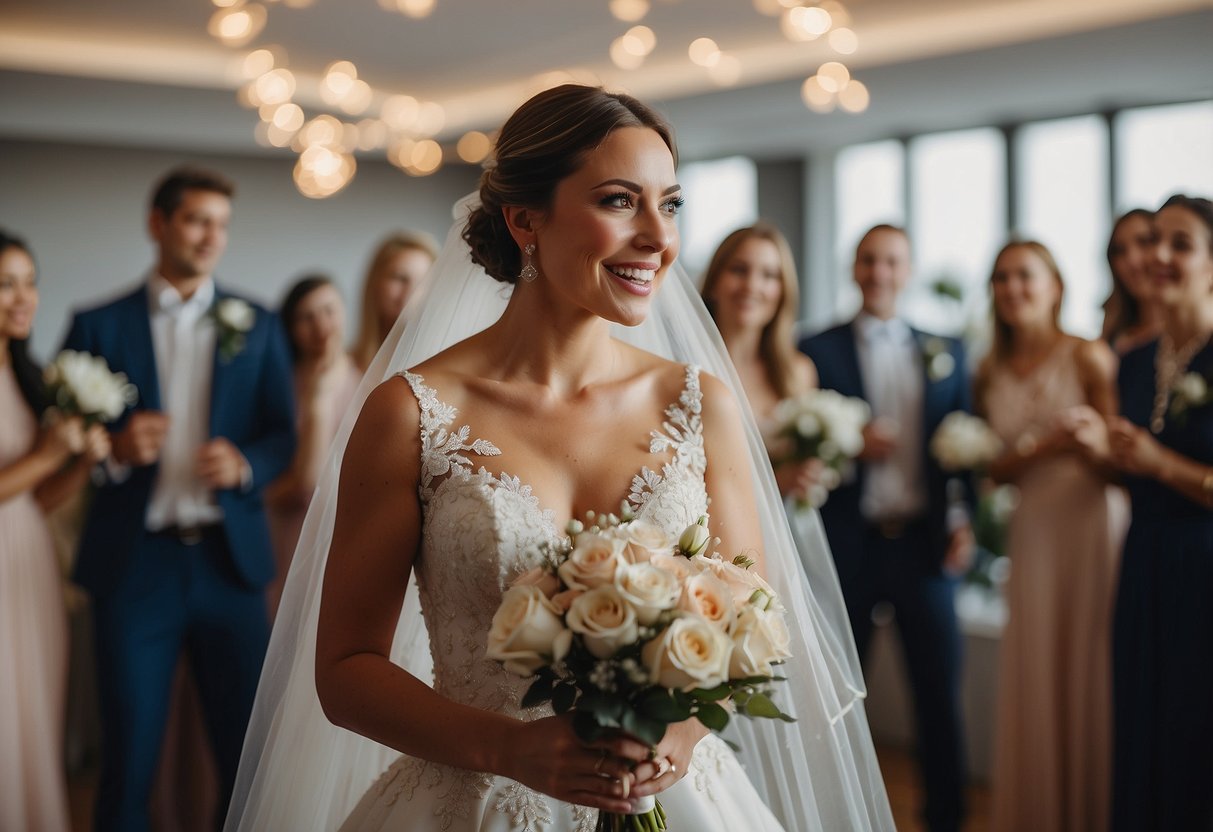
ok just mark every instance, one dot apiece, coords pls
pixel 526 809
pixel 708 765
pixel 440 447
pixel 683 433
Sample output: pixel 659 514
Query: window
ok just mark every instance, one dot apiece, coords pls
pixel 957 224
pixel 1162 151
pixel 869 190
pixel 721 196
pixel 1063 190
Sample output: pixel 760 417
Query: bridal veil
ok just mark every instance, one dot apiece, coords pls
pixel 300 772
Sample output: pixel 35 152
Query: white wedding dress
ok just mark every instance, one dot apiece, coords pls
pixel 479 531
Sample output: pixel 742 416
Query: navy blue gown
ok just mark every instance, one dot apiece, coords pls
pixel 1163 629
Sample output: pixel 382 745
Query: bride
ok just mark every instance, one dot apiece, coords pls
pixel 570 388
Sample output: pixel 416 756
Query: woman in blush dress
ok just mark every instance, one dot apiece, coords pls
pixel 39 469
pixel 1163 632
pixel 1046 394
pixel 398 270
pixel 1132 315
pixel 325 379
pixel 751 291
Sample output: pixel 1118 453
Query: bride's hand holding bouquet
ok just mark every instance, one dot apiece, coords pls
pixel 633 634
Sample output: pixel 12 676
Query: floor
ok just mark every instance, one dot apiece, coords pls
pixel 897 765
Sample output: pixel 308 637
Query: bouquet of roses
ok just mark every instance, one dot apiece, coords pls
pixel 630 630
pixel 824 425
pixel 81 384
pixel 964 442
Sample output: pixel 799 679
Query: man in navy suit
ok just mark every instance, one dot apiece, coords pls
pixel 175 551
pixel 898 529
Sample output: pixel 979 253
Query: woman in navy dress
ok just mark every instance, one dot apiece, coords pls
pixel 1163 631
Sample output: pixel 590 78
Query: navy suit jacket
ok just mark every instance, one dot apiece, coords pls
pixel 252 405
pixel 837 358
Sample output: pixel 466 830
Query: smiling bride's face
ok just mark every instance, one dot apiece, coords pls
pixel 611 233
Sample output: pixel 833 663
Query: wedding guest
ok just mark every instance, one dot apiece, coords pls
pixel 398 269
pixel 313 314
pixel 1132 315
pixel 751 291
pixel 1046 394
pixel 39 468
pixel 1163 627
pixel 176 552
pixel 891 530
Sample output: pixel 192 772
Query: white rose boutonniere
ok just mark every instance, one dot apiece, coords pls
pixel 234 319
pixel 938 359
pixel 1191 390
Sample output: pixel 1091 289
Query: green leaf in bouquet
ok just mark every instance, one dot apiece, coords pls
pixel 564 696
pixel 586 727
pixel 539 692
pixel 650 730
pixel 713 694
pixel 760 705
pixel 607 710
pixel 713 716
pixel 660 705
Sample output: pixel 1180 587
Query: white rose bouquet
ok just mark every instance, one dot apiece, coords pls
pixel 824 425
pixel 81 384
pixel 964 442
pixel 630 630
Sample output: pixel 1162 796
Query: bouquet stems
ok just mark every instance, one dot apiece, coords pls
pixel 651 821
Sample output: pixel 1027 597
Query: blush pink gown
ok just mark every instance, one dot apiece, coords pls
pixel 33 644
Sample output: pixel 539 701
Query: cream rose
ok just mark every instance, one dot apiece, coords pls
pixel 592 562
pixel 649 589
pixel 694 540
pixel 759 639
pixel 605 621
pixel 690 653
pixel 706 595
pixel 525 631
pixel 548 583
pixel 643 541
pixel 235 314
pixel 741 582
pixel 678 566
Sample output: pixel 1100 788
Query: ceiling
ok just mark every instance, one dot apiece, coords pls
pixel 146 73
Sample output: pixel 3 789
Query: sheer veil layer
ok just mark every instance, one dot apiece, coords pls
pixel 300 772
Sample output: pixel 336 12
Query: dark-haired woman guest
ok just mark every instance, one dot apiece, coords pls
pixel 1132 315
pixel 1163 631
pixel 325 379
pixel 751 290
pixel 39 468
pixel 1047 393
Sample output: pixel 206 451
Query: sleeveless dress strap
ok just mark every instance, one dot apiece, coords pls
pixel 441 448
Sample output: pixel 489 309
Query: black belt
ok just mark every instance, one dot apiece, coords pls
pixel 895 528
pixel 188 535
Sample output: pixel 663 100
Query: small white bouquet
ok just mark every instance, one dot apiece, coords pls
pixel 824 425
pixel 234 319
pixel 964 442
pixel 82 384
pixel 1190 391
pixel 630 630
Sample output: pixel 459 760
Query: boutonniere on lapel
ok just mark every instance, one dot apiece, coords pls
pixel 233 318
pixel 1190 391
pixel 937 358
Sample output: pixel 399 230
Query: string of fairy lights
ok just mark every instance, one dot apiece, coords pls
pixel 348 115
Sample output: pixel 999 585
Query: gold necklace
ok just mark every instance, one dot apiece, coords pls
pixel 1169 364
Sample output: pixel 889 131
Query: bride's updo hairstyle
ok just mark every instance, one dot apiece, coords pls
pixel 545 140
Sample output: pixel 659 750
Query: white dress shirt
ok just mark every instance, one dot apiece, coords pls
pixel 183 337
pixel 891 364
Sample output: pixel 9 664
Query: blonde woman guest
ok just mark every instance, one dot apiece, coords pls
pixel 398 269
pixel 751 291
pixel 313 314
pixel 1132 313
pixel 39 469
pixel 1046 394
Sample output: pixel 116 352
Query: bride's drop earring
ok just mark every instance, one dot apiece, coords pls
pixel 529 272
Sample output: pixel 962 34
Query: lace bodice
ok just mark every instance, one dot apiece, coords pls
pixel 480 530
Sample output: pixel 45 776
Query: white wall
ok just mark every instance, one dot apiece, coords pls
pixel 83 211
